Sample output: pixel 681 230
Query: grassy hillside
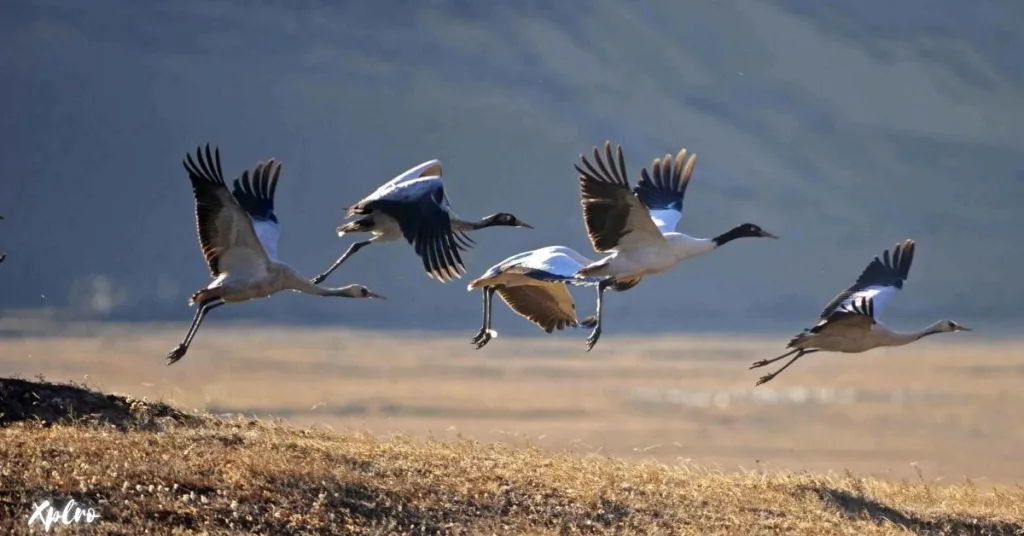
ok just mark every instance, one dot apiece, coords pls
pixel 147 466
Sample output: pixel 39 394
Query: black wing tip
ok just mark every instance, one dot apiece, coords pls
pixel 208 167
pixel 255 191
pixel 606 148
pixel 616 163
pixel 439 251
pixel 898 261
pixel 664 186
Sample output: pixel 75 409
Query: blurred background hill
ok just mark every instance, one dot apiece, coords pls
pixel 841 126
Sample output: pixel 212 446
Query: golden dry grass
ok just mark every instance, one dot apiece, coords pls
pixel 951 408
pixel 148 468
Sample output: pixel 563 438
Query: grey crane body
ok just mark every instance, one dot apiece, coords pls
pixel 849 323
pixel 238 234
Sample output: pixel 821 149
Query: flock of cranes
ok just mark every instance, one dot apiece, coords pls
pixel 633 227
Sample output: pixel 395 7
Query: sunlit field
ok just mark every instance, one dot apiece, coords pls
pixel 941 410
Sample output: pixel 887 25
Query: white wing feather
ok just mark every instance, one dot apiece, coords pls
pixel 879 295
pixel 558 260
pixel 268 233
pixel 407 191
pixel 666 219
pixel 428 169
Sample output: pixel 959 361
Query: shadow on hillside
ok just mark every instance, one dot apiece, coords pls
pixel 857 506
pixel 51 403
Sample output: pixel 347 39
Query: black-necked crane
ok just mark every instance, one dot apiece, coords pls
pixel 636 226
pixel 533 284
pixel 414 206
pixel 849 323
pixel 238 232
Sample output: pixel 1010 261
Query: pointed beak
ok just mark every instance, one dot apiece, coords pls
pixel 373 294
pixel 766 234
pixel 963 328
pixel 524 224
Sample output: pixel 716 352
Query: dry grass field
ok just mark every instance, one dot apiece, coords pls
pixel 920 418
pixel 149 468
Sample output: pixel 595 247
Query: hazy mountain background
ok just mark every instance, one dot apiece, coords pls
pixel 842 126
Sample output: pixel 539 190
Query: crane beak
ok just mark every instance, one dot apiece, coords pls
pixel 373 294
pixel 766 234
pixel 524 224
pixel 963 328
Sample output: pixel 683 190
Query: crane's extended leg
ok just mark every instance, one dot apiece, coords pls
pixel 769 377
pixel 485 334
pixel 348 253
pixel 204 307
pixel 764 362
pixel 596 333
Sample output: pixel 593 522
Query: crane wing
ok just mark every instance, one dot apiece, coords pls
pixel 662 190
pixel 394 189
pixel 255 194
pixel 428 227
pixel 550 307
pixel 226 235
pixel 614 216
pixel 880 281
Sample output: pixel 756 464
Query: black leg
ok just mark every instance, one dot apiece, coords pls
pixel 596 333
pixel 485 334
pixel 483 325
pixel 769 377
pixel 764 362
pixel 179 351
pixel 348 253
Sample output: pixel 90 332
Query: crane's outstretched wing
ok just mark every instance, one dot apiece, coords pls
pixel 391 189
pixel 428 227
pixel 662 190
pixel 550 307
pixel 256 197
pixel 878 283
pixel 551 264
pixel 226 235
pixel 613 215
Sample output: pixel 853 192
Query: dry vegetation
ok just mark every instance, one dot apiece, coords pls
pixel 950 408
pixel 418 433
pixel 146 467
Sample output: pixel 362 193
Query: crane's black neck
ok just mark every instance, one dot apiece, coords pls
pixel 740 231
pixel 482 223
pixel 494 220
